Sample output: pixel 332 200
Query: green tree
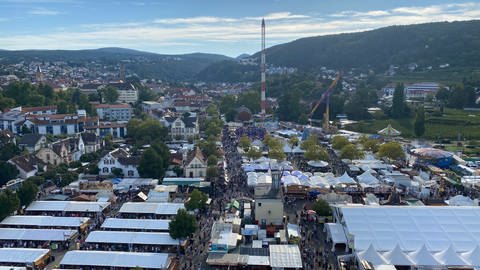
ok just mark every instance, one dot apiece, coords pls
pixel 110 94
pixel 322 208
pixel 182 225
pixel 350 151
pixel 293 141
pixel 254 153
pixel 197 200
pixel 151 165
pixel 212 160
pixel 250 99
pixel 419 125
pixel 245 142
pixel 6 103
pixel 146 131
pixel 316 152
pixel 227 103
pixel 8 172
pixel 8 150
pixel 398 102
pixel 208 147
pixel 212 172
pixel 9 202
pixel 117 172
pixel 277 153
pixel 392 151
pixel 27 192
pixel 338 142
pixel 37 180
pixel 289 108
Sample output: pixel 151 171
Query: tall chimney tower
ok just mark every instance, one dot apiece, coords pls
pixel 263 103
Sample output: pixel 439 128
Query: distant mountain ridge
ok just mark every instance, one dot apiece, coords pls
pixel 145 64
pixel 430 44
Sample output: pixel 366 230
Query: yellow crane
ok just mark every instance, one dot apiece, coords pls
pixel 325 96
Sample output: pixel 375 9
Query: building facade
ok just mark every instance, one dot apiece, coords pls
pixel 114 112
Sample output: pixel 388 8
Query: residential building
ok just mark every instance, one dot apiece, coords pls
pixel 8 137
pixel 39 110
pixel 119 158
pixel 57 124
pixel 12 120
pixel 91 141
pixel 32 142
pixel 90 88
pixel 116 129
pixel 196 164
pixel 269 211
pixel 388 90
pixel 182 128
pixel 63 151
pixel 150 106
pixel 127 93
pixel 27 165
pixel 114 112
pixel 421 90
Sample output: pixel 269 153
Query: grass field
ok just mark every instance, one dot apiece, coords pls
pixel 454 124
pixel 445 76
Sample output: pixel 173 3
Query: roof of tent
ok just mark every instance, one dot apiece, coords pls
pixel 423 257
pixel 449 257
pixel 141 238
pixel 371 255
pixel 137 224
pixel 336 232
pixel 345 179
pixel 389 131
pixel 44 221
pixel 367 178
pixel 473 257
pixel 448 233
pixel 151 208
pixel 21 255
pixel 116 259
pixel 397 257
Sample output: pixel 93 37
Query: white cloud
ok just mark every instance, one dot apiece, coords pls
pixel 43 12
pixel 194 20
pixel 173 35
pixel 279 16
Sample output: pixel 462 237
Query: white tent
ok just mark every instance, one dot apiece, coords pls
pixel 336 233
pixel 450 257
pixel 368 178
pixel 473 257
pixel 345 179
pixel 371 255
pixel 423 257
pixel 460 200
pixel 397 257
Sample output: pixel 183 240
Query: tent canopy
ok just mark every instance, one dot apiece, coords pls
pixel 371 255
pixel 336 233
pixel 389 131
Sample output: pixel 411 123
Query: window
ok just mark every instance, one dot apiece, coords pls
pixel 105 161
pixel 105 170
pixel 130 173
pixel 259 204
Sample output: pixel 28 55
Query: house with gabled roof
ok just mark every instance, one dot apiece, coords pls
pixel 121 159
pixel 195 164
pixel 27 165
pixel 32 142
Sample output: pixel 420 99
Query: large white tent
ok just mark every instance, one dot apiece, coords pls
pixel 420 235
pixel 450 257
pixel 371 255
pixel 368 179
pixel 335 233
pixel 345 179
pixel 423 257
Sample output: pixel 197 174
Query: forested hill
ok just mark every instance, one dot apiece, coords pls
pixel 431 44
pixel 145 64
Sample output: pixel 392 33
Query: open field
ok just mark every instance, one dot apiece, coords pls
pixel 454 124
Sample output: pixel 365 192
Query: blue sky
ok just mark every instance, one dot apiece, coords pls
pixel 229 27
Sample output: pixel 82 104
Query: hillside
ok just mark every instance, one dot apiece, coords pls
pixel 145 64
pixel 431 44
